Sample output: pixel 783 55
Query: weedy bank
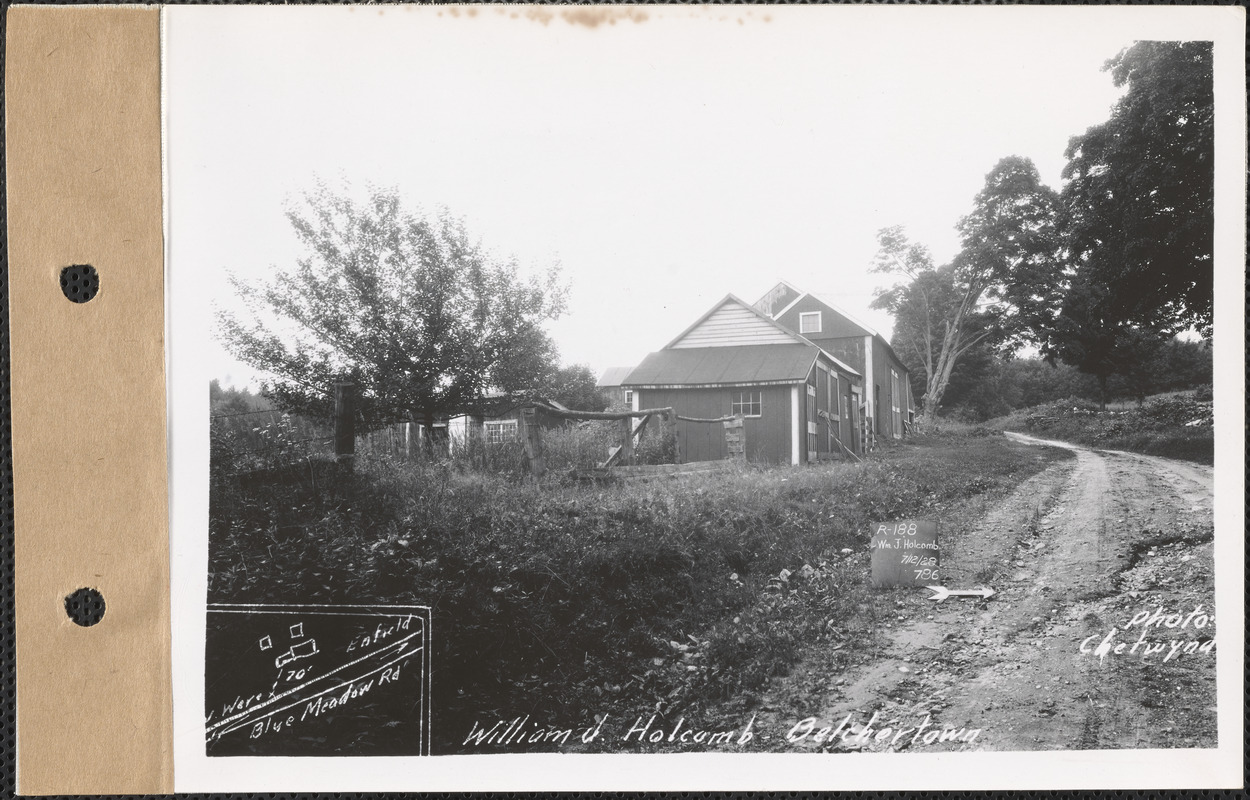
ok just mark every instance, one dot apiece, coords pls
pixel 564 601
pixel 1175 426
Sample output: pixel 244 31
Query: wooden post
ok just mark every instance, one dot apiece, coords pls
pixel 344 422
pixel 735 438
pixel 670 433
pixel 627 443
pixel 531 435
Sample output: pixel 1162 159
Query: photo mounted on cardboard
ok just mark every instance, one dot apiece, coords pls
pixel 638 352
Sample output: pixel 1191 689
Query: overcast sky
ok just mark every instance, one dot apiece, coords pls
pixel 664 162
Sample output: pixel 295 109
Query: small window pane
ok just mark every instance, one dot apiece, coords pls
pixel 501 432
pixel 748 404
pixel 809 322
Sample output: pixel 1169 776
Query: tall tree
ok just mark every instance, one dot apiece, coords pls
pixel 1139 196
pixel 994 290
pixel 1137 218
pixel 1090 336
pixel 575 387
pixel 413 311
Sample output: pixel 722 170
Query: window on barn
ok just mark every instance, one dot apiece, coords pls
pixel 629 398
pixel 501 431
pixel 809 322
pixel 748 404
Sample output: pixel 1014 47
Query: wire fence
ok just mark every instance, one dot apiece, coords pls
pixel 249 441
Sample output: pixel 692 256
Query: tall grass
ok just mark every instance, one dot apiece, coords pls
pixel 567 599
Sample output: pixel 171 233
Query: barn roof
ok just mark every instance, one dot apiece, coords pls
pixel 613 376
pixel 725 366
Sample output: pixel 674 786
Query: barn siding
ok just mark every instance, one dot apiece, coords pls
pixel 824 428
pixel 767 438
pixel 848 341
pixel 849 351
pixel 732 325
pixel 881 364
pixel 833 325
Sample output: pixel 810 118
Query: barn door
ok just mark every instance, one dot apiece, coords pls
pixel 812 428
pixel 831 411
pixel 856 424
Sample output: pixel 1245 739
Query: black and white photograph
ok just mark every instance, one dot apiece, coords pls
pixel 608 383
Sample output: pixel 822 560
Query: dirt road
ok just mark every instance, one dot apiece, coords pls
pixel 1105 550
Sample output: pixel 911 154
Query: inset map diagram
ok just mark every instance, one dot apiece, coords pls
pixel 291 680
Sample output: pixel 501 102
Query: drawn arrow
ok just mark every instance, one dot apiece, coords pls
pixel 940 593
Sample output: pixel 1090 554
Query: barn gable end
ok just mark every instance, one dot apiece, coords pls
pixel 731 323
pixel 778 297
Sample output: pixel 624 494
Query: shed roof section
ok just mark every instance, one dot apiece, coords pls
pixel 613 376
pixel 725 366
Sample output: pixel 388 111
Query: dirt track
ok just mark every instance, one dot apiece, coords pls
pixel 1085 546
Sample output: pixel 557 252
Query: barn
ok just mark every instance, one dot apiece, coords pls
pixel 799 402
pixel 888 401
pixel 609 384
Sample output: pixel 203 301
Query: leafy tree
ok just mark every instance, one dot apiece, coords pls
pixel 980 386
pixel 1089 336
pixel 224 400
pixel 1184 364
pixel 1137 219
pixel 574 387
pixel 420 317
pixel 1036 381
pixel 1139 196
pixel 1164 365
pixel 994 291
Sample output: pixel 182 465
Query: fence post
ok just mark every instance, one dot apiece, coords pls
pixel 345 423
pixel 531 435
pixel 670 433
pixel 735 438
pixel 627 443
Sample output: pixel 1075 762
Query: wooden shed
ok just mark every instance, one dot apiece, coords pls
pixel 799 402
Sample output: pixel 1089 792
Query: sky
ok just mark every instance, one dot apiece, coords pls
pixel 664 159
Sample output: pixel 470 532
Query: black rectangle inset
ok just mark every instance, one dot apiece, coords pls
pixel 317 680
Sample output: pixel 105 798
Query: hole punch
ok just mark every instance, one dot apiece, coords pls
pixel 80 282
pixel 85 607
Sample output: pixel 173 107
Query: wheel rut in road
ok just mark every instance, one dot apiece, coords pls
pixel 1085 546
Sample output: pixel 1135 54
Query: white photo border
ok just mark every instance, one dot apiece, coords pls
pixel 189 325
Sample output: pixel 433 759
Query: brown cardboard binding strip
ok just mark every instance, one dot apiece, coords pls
pixel 94 705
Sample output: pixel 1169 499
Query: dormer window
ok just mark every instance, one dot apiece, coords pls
pixel 809 322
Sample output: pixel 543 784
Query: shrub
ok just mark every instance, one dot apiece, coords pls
pixel 1175 426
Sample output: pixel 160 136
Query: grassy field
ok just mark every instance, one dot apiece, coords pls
pixel 564 601
pixel 1174 425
